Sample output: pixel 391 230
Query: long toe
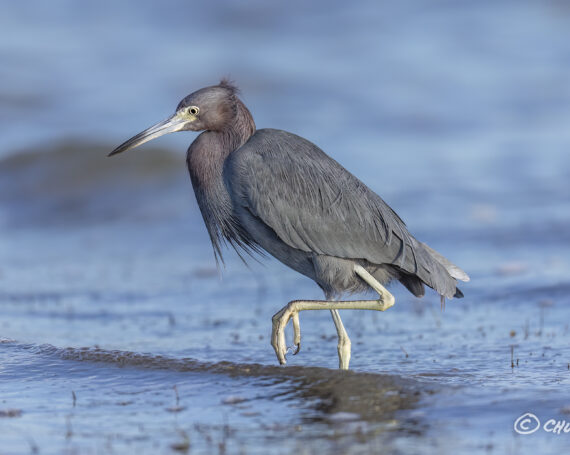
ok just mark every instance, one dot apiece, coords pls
pixel 297 333
pixel 278 339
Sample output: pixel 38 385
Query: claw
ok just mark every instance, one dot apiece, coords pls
pixel 298 349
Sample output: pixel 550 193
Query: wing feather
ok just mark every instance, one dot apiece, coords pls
pixel 315 205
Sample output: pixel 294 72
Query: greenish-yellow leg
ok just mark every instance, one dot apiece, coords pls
pixel 343 346
pixel 292 309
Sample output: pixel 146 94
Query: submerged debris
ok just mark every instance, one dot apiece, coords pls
pixel 233 400
pixel 183 445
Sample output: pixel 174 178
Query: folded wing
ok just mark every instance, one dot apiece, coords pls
pixel 315 205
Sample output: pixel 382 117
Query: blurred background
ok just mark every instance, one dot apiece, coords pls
pixel 456 113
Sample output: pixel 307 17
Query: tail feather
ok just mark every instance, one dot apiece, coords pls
pixel 413 284
pixel 435 271
pixel 453 270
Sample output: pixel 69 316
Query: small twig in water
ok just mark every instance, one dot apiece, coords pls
pixel 177 396
pixel 176 408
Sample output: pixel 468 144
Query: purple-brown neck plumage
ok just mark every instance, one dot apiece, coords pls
pixel 205 159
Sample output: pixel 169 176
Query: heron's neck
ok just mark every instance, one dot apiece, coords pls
pixel 239 130
pixel 205 159
pixel 208 152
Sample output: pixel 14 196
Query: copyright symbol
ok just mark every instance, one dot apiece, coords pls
pixel 527 423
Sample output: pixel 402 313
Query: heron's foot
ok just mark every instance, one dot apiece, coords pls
pixel 279 321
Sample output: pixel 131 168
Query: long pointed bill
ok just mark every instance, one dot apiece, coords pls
pixel 170 125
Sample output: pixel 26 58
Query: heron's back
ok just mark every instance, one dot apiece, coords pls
pixel 294 197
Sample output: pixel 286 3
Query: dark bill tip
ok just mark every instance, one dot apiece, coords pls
pixel 170 125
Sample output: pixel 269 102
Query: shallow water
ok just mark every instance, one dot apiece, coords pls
pixel 118 334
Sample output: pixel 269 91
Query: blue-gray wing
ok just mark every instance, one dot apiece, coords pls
pixel 315 205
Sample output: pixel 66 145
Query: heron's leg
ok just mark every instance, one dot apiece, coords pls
pixel 292 309
pixel 344 344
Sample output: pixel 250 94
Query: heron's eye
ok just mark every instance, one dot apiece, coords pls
pixel 193 110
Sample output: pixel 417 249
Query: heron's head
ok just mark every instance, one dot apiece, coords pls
pixel 210 108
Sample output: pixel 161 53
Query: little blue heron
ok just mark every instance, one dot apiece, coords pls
pixel 272 190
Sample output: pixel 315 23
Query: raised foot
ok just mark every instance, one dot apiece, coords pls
pixel 292 309
pixel 279 321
